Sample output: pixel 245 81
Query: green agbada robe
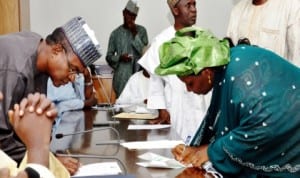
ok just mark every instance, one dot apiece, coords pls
pixel 122 41
pixel 253 123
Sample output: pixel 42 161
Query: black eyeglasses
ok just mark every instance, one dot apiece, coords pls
pixel 72 69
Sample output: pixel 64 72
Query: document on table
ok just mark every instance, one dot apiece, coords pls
pixel 103 168
pixel 106 107
pixel 133 115
pixel 157 144
pixel 148 126
pixel 157 161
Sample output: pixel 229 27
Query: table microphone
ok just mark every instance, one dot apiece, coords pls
pixel 61 135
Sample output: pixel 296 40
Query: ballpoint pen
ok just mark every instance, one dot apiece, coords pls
pixel 186 143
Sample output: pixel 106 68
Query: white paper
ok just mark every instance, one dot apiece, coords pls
pixel 116 107
pixel 157 161
pixel 148 126
pixel 152 144
pixel 133 115
pixel 105 168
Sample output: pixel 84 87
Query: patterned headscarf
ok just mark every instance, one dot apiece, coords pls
pixel 189 54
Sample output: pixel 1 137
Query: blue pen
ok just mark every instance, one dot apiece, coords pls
pixel 186 143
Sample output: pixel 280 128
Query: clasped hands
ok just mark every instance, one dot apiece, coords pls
pixel 32 121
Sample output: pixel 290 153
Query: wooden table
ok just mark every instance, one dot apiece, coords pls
pixel 87 143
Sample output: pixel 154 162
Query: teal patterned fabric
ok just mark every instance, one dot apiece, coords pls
pixel 253 123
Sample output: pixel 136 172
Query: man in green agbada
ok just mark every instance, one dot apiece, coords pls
pixel 125 47
pixel 251 128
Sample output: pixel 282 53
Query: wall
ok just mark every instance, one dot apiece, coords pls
pixel 9 16
pixel 105 15
pixel 24 14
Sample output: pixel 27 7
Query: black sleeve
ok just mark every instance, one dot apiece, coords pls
pixel 32 173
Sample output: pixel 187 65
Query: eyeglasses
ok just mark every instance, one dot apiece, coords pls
pixel 72 68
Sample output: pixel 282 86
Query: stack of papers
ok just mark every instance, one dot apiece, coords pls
pixel 133 115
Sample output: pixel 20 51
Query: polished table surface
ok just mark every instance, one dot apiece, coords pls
pixel 89 143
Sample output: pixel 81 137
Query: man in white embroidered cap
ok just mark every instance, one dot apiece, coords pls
pixel 27 60
pixel 125 47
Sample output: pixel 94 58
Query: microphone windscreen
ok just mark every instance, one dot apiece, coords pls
pixel 59 135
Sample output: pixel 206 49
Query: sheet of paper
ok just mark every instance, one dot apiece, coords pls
pixel 152 144
pixel 105 168
pixel 132 115
pixel 106 107
pixel 148 126
pixel 158 161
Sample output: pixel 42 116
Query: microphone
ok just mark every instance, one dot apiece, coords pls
pixel 111 142
pixel 61 135
pixel 96 157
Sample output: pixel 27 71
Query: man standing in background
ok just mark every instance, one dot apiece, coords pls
pixel 125 47
pixel 168 93
pixel 271 24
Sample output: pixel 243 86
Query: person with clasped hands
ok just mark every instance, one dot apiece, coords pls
pixel 37 140
pixel 251 128
pixel 27 61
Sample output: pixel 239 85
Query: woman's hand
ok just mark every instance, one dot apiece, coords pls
pixel 187 155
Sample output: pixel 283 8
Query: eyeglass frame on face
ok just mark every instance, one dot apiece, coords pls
pixel 72 71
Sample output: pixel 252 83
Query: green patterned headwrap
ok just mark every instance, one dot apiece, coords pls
pixel 187 54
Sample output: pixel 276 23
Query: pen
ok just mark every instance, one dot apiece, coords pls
pixel 68 152
pixel 186 143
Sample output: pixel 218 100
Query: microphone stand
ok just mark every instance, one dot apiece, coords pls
pixel 118 141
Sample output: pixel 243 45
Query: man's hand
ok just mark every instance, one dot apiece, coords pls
pixel 163 118
pixel 71 164
pixel 133 30
pixel 126 57
pixel 4 173
pixel 39 103
pixel 32 128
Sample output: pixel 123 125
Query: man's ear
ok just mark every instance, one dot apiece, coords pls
pixel 175 11
pixel 57 48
